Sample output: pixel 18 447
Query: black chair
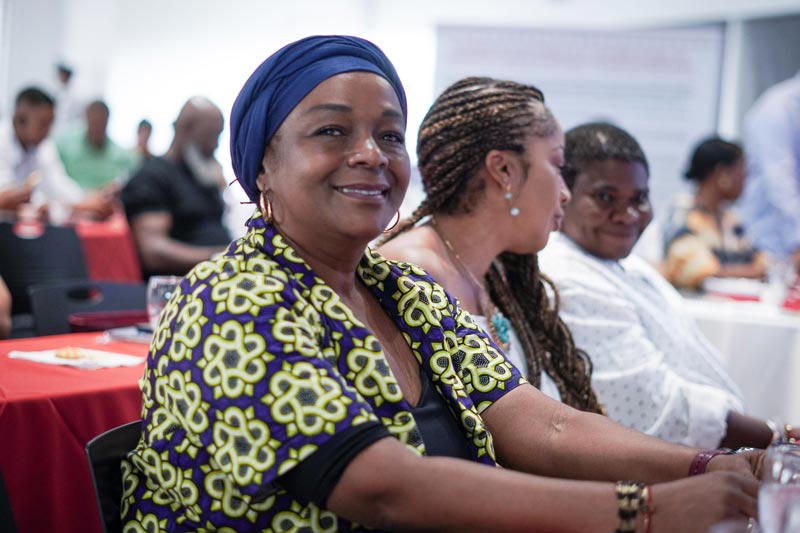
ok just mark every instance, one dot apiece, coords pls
pixel 105 453
pixel 7 524
pixel 54 256
pixel 53 304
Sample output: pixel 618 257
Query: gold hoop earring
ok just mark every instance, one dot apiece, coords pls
pixel 265 205
pixel 396 219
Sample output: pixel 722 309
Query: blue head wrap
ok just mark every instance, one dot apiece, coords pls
pixel 285 78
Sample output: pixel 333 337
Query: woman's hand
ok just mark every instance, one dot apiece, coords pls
pixel 95 205
pixel 699 502
pixel 748 463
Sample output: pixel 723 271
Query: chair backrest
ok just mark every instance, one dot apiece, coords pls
pixel 53 304
pixel 7 524
pixel 54 256
pixel 105 453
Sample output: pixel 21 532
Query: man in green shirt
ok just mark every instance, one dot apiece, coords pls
pixel 91 158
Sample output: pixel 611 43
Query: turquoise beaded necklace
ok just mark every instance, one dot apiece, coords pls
pixel 498 325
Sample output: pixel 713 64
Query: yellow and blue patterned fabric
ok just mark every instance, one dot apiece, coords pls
pixel 698 244
pixel 256 363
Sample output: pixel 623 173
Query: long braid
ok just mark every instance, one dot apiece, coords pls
pixel 546 340
pixel 471 118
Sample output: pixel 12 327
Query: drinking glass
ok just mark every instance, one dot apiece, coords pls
pixel 159 291
pixel 780 277
pixel 779 494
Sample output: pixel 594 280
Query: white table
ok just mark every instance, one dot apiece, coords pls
pixel 760 344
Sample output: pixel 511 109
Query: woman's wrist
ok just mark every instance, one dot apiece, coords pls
pixel 773 427
pixel 782 432
pixel 701 460
pixel 648 508
pixel 635 500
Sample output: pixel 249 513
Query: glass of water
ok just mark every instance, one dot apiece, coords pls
pixel 159 291
pixel 779 494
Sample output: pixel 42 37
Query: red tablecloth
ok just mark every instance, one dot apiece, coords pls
pixel 47 415
pixel 109 249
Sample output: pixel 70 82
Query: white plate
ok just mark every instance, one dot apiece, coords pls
pixel 89 359
pixel 736 287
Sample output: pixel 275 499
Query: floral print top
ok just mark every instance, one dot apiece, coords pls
pixel 257 362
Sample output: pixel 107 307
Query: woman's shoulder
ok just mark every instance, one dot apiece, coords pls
pixel 420 247
pixel 571 268
pixel 562 258
pixel 248 275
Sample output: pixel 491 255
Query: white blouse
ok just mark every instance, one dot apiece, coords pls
pixel 17 164
pixel 516 355
pixel 653 369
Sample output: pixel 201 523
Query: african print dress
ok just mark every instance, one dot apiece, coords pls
pixel 257 362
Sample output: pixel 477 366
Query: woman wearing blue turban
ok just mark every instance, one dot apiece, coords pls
pixel 302 382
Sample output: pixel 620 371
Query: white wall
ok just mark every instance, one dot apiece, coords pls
pixel 148 56
pixel 32 31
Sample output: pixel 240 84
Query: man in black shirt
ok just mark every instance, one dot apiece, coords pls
pixel 174 202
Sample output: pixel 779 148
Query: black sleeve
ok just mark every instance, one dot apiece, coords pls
pixel 315 477
pixel 145 191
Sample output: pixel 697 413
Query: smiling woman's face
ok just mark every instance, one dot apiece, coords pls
pixel 338 166
pixel 610 208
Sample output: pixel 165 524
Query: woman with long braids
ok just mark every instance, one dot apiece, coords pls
pixel 484 217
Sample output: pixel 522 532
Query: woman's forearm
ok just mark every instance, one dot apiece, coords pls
pixel 750 270
pixel 578 445
pixel 389 488
pixel 745 430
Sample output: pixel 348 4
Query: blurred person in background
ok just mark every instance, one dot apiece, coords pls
pixel 69 107
pixel 704 236
pixel 770 204
pixel 653 369
pixel 92 159
pixel 31 170
pixel 174 202
pixel 141 152
pixel 5 310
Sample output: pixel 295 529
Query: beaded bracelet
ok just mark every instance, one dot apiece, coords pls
pixel 789 430
pixel 630 497
pixel 700 461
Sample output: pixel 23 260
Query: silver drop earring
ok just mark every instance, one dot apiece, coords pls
pixel 513 211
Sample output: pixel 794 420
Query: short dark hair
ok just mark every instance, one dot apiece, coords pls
pixel 34 96
pixel 598 141
pixel 98 104
pixel 144 123
pixel 66 69
pixel 710 153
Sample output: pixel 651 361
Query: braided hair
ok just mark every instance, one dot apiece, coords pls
pixel 471 118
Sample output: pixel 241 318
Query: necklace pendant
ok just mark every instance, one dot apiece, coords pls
pixel 502 327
